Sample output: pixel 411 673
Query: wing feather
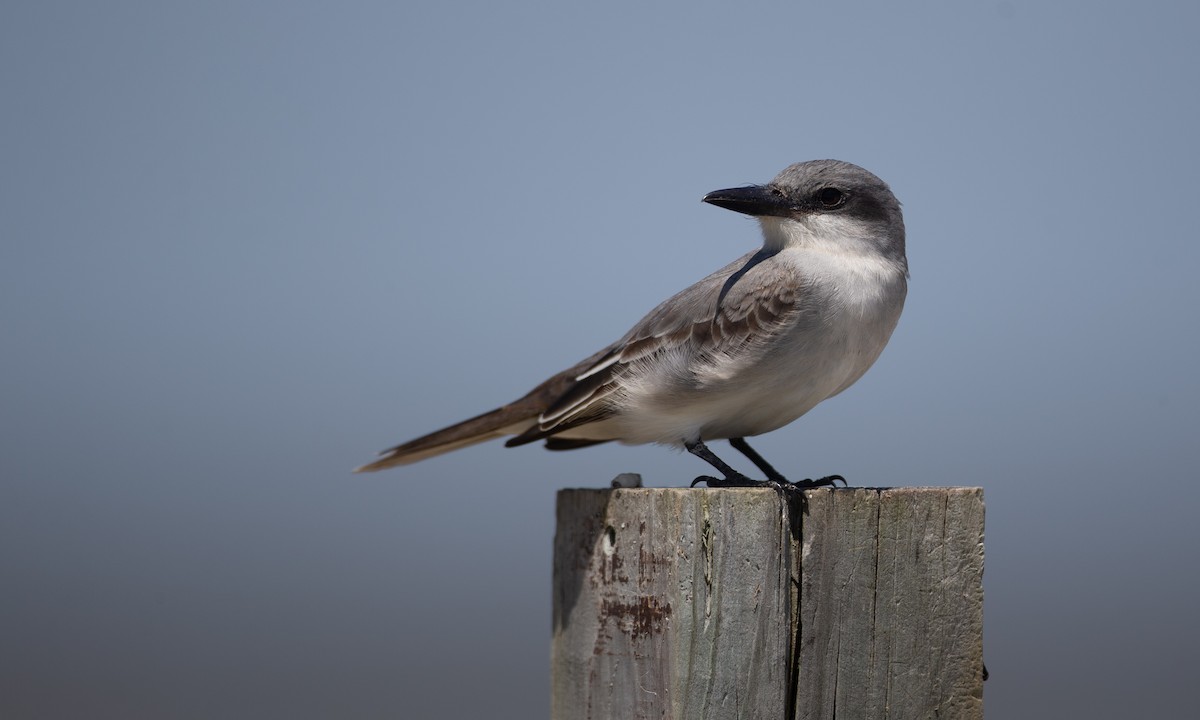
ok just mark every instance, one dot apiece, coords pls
pixel 727 313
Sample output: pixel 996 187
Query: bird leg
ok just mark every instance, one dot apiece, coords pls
pixel 732 478
pixel 774 475
pixel 744 448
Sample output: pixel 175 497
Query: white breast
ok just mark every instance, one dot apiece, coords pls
pixel 853 305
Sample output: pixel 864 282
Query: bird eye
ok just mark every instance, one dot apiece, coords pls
pixel 831 197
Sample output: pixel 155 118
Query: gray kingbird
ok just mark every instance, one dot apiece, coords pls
pixel 744 351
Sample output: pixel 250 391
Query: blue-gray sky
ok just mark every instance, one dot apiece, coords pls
pixel 243 246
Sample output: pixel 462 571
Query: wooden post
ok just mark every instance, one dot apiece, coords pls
pixel 743 603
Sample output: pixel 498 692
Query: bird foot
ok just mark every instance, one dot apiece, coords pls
pixel 741 481
pixel 779 483
pixel 827 481
pixel 735 480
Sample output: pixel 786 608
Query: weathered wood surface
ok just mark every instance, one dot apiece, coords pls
pixel 891 604
pixel 853 603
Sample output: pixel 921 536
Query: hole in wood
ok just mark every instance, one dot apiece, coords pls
pixel 610 540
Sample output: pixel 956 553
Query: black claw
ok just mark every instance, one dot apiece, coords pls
pixel 827 481
pixel 732 480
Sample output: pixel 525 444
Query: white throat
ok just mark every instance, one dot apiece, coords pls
pixel 832 233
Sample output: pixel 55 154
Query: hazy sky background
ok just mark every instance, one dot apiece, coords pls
pixel 244 246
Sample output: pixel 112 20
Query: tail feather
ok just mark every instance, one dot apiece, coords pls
pixel 514 418
pixel 488 426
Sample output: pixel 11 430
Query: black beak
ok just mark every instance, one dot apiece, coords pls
pixel 751 200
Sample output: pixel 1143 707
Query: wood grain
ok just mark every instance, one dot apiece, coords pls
pixel 744 603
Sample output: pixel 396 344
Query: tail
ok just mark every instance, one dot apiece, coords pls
pixel 511 419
